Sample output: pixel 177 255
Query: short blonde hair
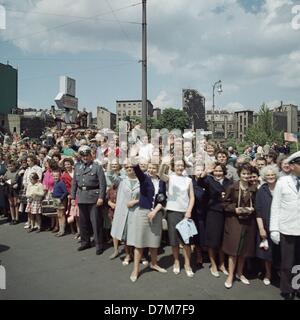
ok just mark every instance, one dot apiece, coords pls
pixel 266 169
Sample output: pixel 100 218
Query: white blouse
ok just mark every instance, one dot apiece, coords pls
pixel 178 193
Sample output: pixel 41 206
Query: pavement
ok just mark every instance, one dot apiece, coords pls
pixel 43 267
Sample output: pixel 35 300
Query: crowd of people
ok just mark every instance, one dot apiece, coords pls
pixel 246 217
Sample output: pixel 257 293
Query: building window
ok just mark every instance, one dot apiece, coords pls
pixel 124 105
pixel 134 113
pixel 129 113
pixel 2 123
pixel 15 129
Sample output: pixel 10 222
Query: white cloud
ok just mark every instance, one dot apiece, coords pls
pixel 163 100
pixel 234 106
pixel 194 43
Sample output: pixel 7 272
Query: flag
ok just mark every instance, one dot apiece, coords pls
pixel 291 137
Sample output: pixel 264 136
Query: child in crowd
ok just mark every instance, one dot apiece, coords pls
pixel 13 181
pixel 34 194
pixel 60 194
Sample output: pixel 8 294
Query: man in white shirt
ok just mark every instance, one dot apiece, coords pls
pixel 285 225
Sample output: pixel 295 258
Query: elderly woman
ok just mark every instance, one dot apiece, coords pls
pixel 146 228
pixel 126 202
pixel 240 224
pixel 264 196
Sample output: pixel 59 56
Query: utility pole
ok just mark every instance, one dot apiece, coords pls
pixel 144 68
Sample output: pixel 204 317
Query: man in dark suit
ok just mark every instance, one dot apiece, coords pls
pixel 89 187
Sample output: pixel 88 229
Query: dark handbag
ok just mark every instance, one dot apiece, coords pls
pixel 160 199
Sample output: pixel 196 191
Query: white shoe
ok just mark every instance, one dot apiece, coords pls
pixel 224 271
pixel 26 226
pixel 216 274
pixel 189 273
pixel 228 285
pixel 145 262
pixel 125 262
pixel 133 278
pixel 114 255
pixel 243 279
pixel 266 281
pixel 158 269
pixel 176 270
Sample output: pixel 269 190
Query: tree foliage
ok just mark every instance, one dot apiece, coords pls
pixel 171 119
pixel 263 130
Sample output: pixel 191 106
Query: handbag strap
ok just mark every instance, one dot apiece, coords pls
pixel 240 197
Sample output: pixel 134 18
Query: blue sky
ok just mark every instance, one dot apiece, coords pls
pixel 249 45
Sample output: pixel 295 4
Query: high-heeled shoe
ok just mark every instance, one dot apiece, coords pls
pixel 243 279
pixel 266 281
pixel 216 274
pixel 224 271
pixel 133 278
pixel 189 272
pixel 125 262
pixel 176 269
pixel 114 255
pixel 228 285
pixel 158 269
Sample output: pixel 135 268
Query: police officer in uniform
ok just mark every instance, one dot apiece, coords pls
pixel 89 186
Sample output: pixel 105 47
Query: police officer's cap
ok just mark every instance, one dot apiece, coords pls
pixel 294 158
pixel 85 150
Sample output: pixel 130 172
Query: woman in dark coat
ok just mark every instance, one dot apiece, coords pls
pixel 240 224
pixel 265 250
pixel 215 186
pixel 199 214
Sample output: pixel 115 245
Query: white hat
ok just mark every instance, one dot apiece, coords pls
pixel 294 158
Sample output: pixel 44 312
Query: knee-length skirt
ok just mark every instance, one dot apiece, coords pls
pixel 141 232
pixel 174 217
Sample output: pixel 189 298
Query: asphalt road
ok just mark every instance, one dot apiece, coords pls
pixel 41 266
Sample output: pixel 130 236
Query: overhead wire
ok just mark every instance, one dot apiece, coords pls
pixel 70 23
pixel 68 16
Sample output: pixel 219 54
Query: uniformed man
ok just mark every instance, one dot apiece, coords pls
pixel 89 187
pixel 285 226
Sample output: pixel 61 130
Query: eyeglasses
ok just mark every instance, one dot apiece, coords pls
pixel 128 168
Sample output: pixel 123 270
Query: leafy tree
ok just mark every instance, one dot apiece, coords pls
pixel 172 119
pixel 264 129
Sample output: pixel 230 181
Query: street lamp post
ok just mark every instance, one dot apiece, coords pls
pixel 218 85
